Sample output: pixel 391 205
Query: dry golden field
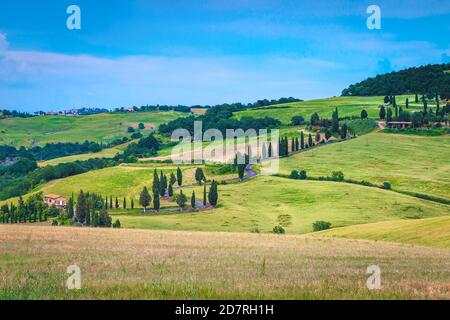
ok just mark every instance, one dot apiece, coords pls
pixel 144 264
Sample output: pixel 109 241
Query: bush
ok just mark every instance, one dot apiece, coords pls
pixel 321 225
pixel 54 223
pixel 387 185
pixel 337 176
pixel 294 175
pixel 302 175
pixel 278 230
pixel 116 224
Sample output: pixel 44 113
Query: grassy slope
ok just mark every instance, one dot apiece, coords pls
pixel 142 264
pixel 105 153
pixel 100 127
pixel 265 202
pixel 347 106
pixel 412 163
pixel 433 232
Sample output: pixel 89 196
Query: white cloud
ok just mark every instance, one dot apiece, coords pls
pixel 3 43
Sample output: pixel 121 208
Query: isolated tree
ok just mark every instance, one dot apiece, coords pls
pixel 124 202
pixel 310 140
pixel 241 171
pixel 302 140
pixel 181 200
pixel 179 177
pixel 132 203
pixel 364 114
pixel 156 202
pixel 193 203
pixel 213 195
pixel 204 195
pixel 144 199
pixel 117 202
pixel 407 103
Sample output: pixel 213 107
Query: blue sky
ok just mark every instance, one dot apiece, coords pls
pixel 206 52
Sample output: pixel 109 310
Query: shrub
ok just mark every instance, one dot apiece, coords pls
pixel 321 225
pixel 337 176
pixel 54 223
pixel 116 224
pixel 387 185
pixel 294 175
pixel 302 175
pixel 278 230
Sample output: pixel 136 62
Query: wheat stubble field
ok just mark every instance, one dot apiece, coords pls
pixel 144 264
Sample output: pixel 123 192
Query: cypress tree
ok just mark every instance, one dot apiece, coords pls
pixel 82 207
pixel 110 202
pixel 106 202
pixel 407 103
pixel 335 121
pixel 132 203
pixel 270 150
pixel 181 200
pixel 156 202
pixel 382 113
pixel 417 98
pixel 173 179
pixel 310 140
pixel 193 203
pixel 179 177
pixel 302 140
pixel 170 191
pixel 117 203
pixel 156 186
pixel 389 115
pixel 70 211
pixel 213 194
pixel 241 171
pixel 204 195
pixel 124 202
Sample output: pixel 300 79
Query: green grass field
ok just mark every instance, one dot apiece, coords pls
pixel 411 163
pixel 433 232
pixel 99 127
pixel 348 106
pixel 144 264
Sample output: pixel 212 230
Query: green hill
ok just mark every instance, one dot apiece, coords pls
pixel 430 232
pixel 430 80
pixel 99 127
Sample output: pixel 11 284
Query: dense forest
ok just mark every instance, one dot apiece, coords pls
pixel 429 80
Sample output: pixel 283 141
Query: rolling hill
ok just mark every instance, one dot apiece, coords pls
pixel 431 232
pixel 103 127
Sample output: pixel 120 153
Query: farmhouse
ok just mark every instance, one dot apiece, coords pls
pixel 55 200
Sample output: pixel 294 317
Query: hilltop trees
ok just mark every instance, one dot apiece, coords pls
pixel 145 198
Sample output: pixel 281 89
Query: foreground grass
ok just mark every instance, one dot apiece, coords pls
pixel 142 264
pixel 99 127
pixel 434 232
pixel 410 163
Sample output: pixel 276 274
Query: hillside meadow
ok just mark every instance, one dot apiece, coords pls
pixel 409 162
pixel 348 106
pixel 263 202
pixel 433 232
pixel 144 264
pixel 103 127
